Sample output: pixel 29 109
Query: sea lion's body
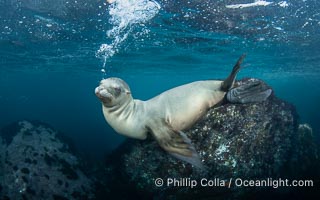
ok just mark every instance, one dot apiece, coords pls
pixel 173 111
pixel 180 107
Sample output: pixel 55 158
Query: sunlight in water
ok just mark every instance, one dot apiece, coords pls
pixel 124 16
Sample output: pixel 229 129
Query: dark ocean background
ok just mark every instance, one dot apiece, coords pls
pixel 49 65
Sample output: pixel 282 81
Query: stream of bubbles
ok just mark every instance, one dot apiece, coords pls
pixel 125 15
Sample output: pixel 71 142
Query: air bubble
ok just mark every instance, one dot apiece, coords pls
pixel 125 15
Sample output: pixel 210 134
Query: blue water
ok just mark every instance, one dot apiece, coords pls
pixel 49 65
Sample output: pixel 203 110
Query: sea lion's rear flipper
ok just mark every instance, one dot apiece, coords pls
pixel 228 83
pixel 177 144
pixel 251 92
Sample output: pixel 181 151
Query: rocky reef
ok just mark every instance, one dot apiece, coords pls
pixel 254 141
pixel 37 162
pixel 236 142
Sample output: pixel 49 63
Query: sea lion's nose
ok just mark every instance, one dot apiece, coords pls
pixel 97 90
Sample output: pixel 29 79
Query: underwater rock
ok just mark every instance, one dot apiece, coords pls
pixel 249 141
pixel 36 162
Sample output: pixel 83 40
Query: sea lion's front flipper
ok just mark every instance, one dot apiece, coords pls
pixel 194 159
pixel 251 92
pixel 177 144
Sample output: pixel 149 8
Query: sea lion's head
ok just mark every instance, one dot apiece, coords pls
pixel 113 91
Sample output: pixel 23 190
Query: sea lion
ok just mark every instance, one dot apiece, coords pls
pixel 173 111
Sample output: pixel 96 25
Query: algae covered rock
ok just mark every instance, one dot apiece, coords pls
pixel 36 162
pixel 248 141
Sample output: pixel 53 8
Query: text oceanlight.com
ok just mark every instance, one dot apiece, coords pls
pixel 232 182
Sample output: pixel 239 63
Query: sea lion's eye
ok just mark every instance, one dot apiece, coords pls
pixel 117 91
